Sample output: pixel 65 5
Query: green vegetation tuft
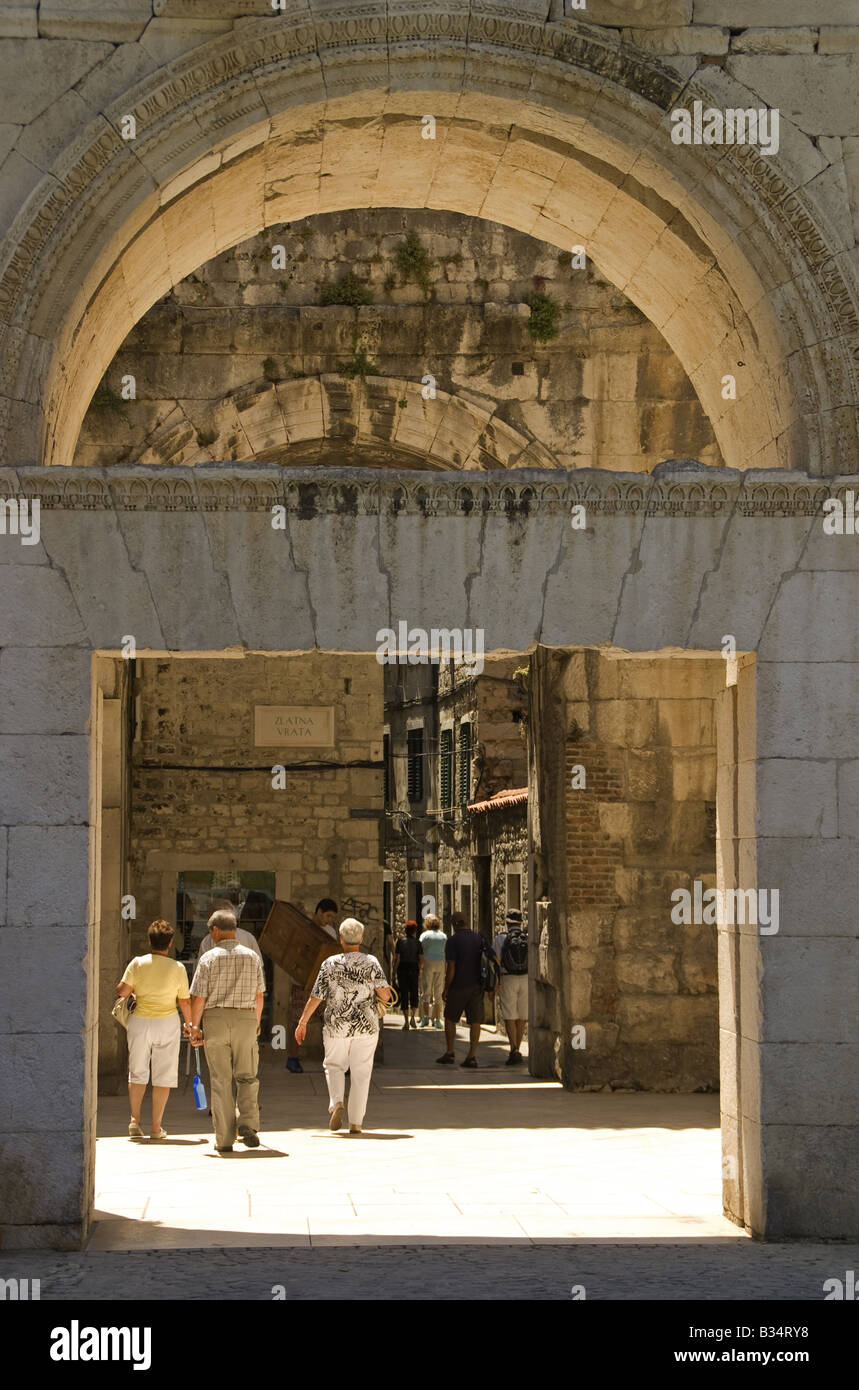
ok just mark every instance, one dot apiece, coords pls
pixel 414 262
pixel 349 290
pixel 543 323
pixel 359 364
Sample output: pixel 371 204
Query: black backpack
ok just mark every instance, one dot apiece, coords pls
pixel 514 952
pixel 490 975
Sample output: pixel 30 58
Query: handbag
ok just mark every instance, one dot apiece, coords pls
pixel 384 1006
pixel 124 1008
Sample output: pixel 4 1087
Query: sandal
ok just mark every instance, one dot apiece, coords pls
pixel 448 1059
pixel 162 1134
pixel 469 1062
pixel 134 1130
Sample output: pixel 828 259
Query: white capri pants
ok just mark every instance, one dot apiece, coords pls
pixel 154 1042
pixel 355 1055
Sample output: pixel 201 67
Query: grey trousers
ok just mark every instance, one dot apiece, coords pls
pixel 233 1056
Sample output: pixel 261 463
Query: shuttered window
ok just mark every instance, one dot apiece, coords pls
pixel 446 769
pixel 415 745
pixel 464 764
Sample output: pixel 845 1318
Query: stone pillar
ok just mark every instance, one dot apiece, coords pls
pixel 47 1011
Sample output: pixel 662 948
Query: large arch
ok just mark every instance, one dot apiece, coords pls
pixel 556 130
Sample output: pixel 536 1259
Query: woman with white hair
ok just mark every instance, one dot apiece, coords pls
pixel 348 985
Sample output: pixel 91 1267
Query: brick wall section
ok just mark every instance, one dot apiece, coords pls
pixel 592 856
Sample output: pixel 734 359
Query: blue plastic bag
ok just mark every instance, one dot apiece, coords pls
pixel 199 1089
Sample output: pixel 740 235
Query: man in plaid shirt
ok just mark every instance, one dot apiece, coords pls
pixel 228 990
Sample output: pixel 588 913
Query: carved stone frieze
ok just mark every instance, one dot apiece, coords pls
pixel 707 492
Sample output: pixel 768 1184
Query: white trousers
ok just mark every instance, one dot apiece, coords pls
pixel 354 1055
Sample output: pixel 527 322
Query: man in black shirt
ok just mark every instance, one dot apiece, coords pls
pixel 462 989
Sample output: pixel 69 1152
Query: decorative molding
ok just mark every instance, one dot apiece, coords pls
pixel 309 492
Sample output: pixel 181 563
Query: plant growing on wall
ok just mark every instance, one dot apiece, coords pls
pixel 543 323
pixel 269 369
pixel 348 290
pixel 414 262
pixel 359 364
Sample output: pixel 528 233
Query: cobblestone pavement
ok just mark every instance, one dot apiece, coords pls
pixel 485 1184
pixel 735 1270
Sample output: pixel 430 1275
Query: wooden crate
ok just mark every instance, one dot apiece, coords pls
pixel 296 944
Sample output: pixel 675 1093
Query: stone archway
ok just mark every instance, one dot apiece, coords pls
pixel 553 130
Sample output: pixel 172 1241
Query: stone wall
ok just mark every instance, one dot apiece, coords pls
pixel 243 361
pixel 643 825
pixel 202 794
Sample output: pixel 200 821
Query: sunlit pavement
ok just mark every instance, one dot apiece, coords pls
pixel 496 1176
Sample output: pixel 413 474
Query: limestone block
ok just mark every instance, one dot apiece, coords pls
pixel 43 1183
pixel 807 988
pixel 740 13
pixel 797 798
pixel 740 610
pixel 18 178
pixel 48 876
pixel 657 605
pixel 165 39
pixel 270 596
pixel 848 799
pixel 18 20
pixel 120 21
pixel 678 1020
pixel 117 73
pixel 647 973
pixel 685 723
pixel 37 608
pixel 807 709
pixel 32 1061
pixel 347 591
pixel 698 38
pixel 44 780
pixel 645 14
pixel 827 1207
pixel 44 690
pixel 807 1083
pixel 799 40
pixel 51 69
pixel 810 618
pixel 602 548
pixel 817 881
pixel 50 133
pixel 819 94
pixel 842 39
pixel 87 546
pixel 4 843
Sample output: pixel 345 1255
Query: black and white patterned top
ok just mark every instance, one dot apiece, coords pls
pixel 347 983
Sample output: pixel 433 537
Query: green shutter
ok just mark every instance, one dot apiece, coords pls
pixel 415 739
pixel 446 769
pixel 464 764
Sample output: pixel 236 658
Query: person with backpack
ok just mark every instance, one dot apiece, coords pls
pixel 472 971
pixel 511 949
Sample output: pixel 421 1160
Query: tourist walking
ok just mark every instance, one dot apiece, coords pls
pixel 227 994
pixel 324 916
pixel 511 951
pixel 154 1034
pixel 348 985
pixel 433 942
pixel 463 990
pixel 408 958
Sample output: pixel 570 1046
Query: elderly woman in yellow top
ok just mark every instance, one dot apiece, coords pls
pixel 154 1035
